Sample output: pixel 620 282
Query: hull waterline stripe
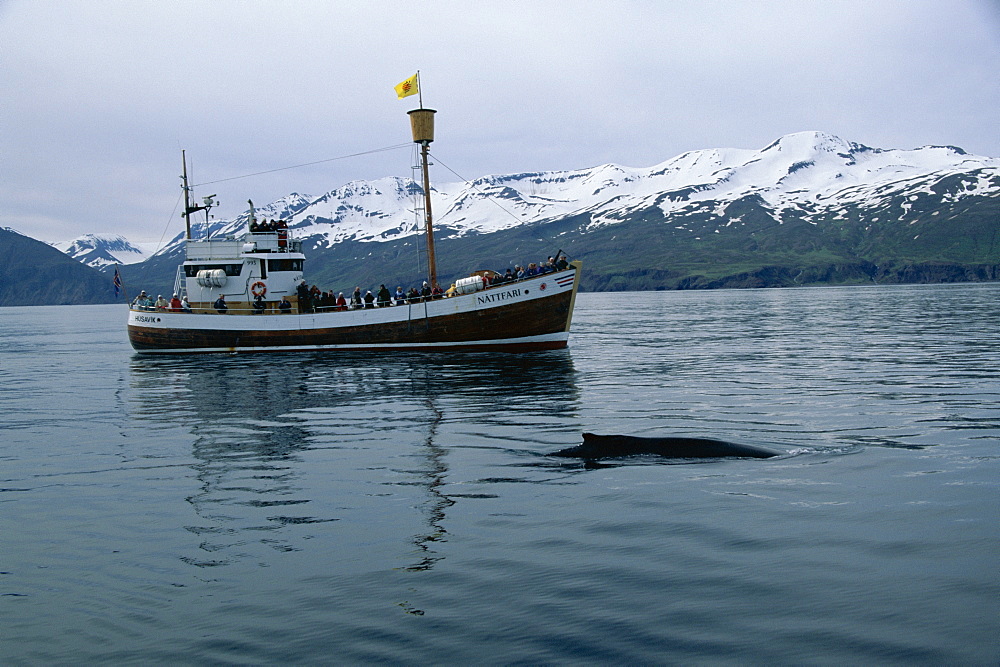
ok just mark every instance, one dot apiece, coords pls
pixel 546 342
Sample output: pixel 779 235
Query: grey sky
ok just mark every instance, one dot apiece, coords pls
pixel 99 97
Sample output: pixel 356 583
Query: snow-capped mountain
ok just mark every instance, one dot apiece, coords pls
pixel 35 273
pixel 101 250
pixel 809 208
pixel 809 170
pixel 807 173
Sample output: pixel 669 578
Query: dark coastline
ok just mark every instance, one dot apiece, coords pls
pixel 860 273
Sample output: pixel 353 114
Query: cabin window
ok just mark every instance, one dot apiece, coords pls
pixel 285 264
pixel 191 270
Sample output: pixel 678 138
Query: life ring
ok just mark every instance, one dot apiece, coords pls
pixel 258 289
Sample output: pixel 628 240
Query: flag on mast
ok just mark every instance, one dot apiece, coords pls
pixel 408 87
pixel 117 282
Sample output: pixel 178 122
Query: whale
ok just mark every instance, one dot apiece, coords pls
pixel 616 446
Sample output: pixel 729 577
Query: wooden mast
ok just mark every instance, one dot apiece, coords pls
pixel 422 125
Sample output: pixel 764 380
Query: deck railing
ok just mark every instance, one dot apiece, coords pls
pixel 271 307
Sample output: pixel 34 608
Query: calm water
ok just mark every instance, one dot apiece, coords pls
pixel 307 508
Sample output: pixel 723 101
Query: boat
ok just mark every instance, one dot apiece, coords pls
pixel 258 274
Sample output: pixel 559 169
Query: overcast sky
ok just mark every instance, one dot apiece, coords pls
pixel 99 97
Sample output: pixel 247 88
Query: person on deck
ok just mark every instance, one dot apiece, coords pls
pixel 175 304
pixel 220 305
pixel 400 296
pixel 258 305
pixel 356 301
pixel 384 298
pixel 341 302
pixel 302 291
pixel 369 299
pixel 185 306
pixel 161 303
pixel 285 306
pixel 425 291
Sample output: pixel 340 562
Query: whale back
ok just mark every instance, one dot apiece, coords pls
pixel 613 446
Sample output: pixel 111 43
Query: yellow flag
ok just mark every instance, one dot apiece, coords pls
pixel 407 88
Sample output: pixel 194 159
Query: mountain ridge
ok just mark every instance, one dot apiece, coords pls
pixel 102 250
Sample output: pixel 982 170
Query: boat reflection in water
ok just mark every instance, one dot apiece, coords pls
pixel 308 438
